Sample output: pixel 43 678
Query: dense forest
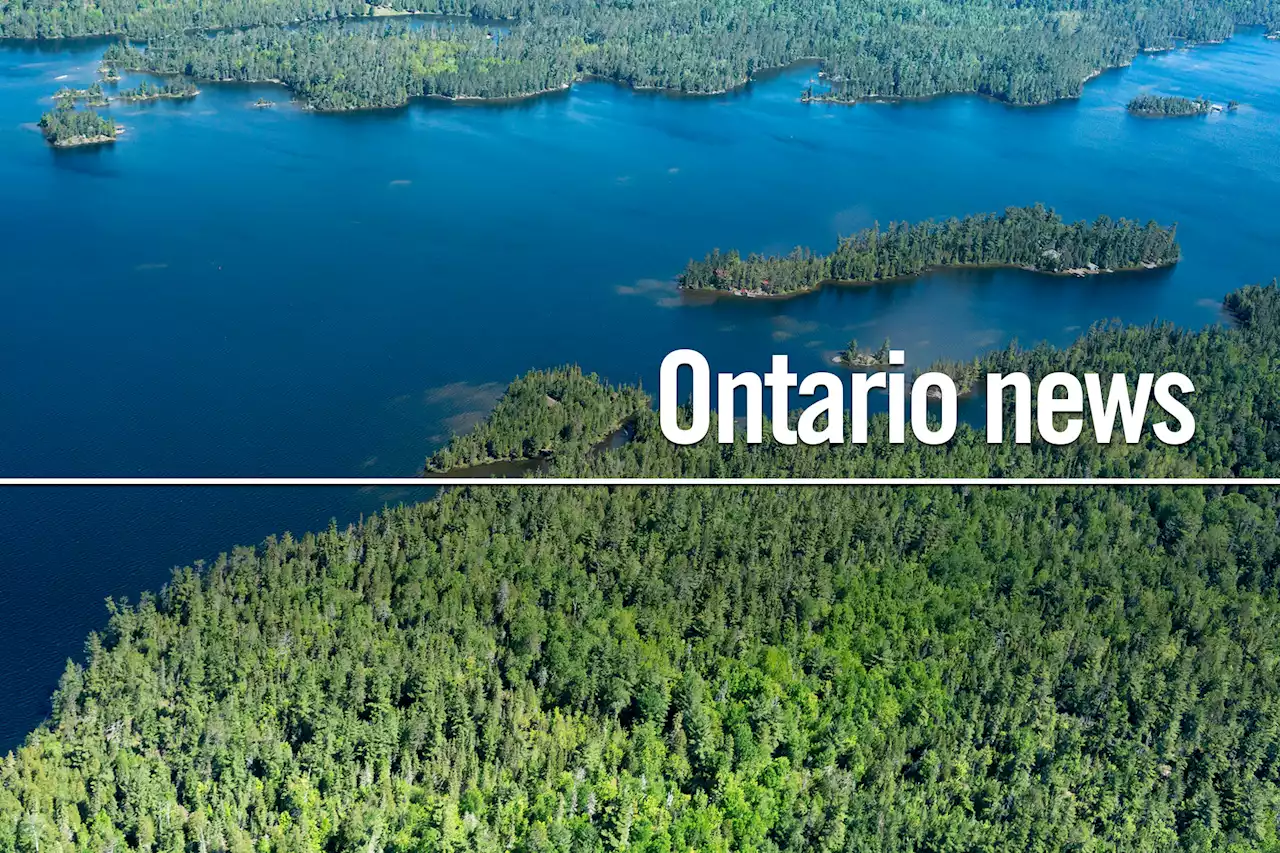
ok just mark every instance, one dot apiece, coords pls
pixel 1241 305
pixel 66 127
pixel 376 70
pixel 1035 238
pixel 1023 52
pixel 720 669
pixel 1169 105
pixel 557 410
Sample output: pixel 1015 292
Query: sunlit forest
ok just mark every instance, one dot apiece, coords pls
pixel 1169 105
pixel 557 411
pixel 67 126
pixel 1024 53
pixel 1033 238
pixel 719 669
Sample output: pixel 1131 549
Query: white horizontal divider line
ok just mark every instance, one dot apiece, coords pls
pixel 435 482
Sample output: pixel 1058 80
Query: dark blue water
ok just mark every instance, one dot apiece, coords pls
pixel 229 291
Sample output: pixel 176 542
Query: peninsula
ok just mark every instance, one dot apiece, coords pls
pixel 152 92
pixel 1032 238
pixel 782 669
pixel 542 413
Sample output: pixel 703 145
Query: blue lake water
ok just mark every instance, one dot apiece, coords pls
pixel 237 292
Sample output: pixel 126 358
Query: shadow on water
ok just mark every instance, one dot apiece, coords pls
pixel 94 160
pixel 515 468
pixel 886 292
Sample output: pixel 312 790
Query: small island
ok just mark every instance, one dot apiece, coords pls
pixel 811 95
pixel 70 128
pixel 1031 238
pixel 1165 106
pixel 851 356
pixel 152 92
pixel 263 104
pixel 109 72
pixel 93 96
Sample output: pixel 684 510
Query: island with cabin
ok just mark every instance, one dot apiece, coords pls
pixel 1167 106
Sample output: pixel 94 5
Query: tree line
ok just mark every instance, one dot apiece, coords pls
pixel 67 126
pixel 720 669
pixel 148 91
pixel 1035 238
pixel 543 412
pixel 1169 105
pixel 1024 53
pixel 93 96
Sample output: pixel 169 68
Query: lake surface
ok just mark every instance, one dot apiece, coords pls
pixel 239 292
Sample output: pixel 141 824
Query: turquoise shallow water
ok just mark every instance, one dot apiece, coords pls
pixel 229 291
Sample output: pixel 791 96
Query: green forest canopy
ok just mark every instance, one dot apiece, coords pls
pixel 557 410
pixel 1022 52
pixel 721 669
pixel 69 126
pixel 1034 238
pixel 1168 105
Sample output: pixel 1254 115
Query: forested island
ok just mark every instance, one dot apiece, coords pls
pixel 68 128
pixel 1161 106
pixel 93 96
pixel 720 669
pixel 147 91
pixel 1025 53
pixel 1033 238
pixel 1157 105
